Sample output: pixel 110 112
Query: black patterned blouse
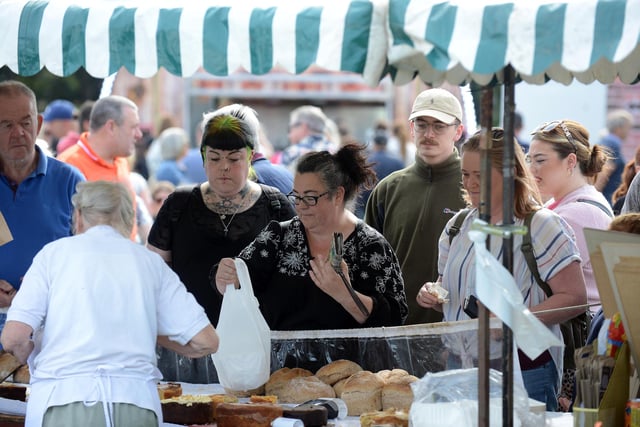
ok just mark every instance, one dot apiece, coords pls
pixel 278 262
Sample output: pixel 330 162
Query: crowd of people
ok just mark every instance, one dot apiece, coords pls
pixel 161 239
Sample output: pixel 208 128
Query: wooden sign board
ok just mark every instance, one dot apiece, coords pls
pixel 622 261
pixel 603 277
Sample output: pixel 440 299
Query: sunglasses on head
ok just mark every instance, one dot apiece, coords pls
pixel 551 126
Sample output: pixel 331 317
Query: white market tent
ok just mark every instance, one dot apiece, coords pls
pixel 482 41
pixel 439 41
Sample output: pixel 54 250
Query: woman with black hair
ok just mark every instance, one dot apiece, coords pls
pixel 300 282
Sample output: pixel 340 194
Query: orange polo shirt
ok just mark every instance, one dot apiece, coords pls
pixel 94 168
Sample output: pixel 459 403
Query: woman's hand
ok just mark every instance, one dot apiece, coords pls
pixel 226 275
pixel 427 298
pixel 326 278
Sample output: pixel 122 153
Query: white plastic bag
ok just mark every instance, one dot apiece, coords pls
pixel 243 359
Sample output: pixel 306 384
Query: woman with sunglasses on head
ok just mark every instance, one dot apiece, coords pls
pixel 564 166
pixel 198 226
pixel 555 251
pixel 300 284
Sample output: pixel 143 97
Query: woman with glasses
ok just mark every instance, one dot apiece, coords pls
pixel 564 166
pixel 555 251
pixel 302 274
pixel 198 226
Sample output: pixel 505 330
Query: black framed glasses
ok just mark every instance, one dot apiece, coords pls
pixel 307 200
pixel 548 127
pixel 439 128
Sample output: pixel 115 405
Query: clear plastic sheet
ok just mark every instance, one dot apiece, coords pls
pixel 419 349
pixel 450 399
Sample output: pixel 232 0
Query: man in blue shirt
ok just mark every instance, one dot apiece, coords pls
pixel 619 123
pixel 35 190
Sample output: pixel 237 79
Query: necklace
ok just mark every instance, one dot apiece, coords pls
pixel 224 216
pixel 226 226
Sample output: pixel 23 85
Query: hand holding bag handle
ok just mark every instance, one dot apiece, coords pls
pixel 243 359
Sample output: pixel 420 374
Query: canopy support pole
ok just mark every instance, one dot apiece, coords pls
pixel 486 123
pixel 508 166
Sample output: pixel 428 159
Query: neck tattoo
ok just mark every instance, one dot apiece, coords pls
pixel 226 206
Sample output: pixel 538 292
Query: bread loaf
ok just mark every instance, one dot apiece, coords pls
pixel 339 386
pixel 387 375
pixel 281 377
pixel 398 395
pixel 247 414
pixel 362 393
pixel 301 389
pixel 391 418
pixel 22 375
pixel 337 370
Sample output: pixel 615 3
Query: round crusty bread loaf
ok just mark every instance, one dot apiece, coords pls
pixel 339 386
pixel 281 377
pixel 397 393
pixel 333 372
pixel 302 389
pixel 22 375
pixel 362 393
pixel 387 375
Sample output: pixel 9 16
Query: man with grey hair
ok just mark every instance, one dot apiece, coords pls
pixel 35 190
pixel 619 123
pixel 95 364
pixel 307 132
pixel 101 153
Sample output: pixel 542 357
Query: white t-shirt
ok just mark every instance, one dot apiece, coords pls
pixel 97 302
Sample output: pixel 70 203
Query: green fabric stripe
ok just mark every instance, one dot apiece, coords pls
pixel 607 30
pixel 355 40
pixel 168 41
pixel 215 41
pixel 307 37
pixel 439 32
pixel 122 38
pixel 28 38
pixel 397 12
pixel 261 40
pixel 492 49
pixel 549 32
pixel 74 27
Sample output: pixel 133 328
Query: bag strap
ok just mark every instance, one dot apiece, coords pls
pixel 527 251
pixel 274 202
pixel 455 228
pixel 597 204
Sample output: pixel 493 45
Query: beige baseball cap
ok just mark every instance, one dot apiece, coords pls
pixel 437 103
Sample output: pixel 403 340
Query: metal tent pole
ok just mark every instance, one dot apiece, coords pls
pixel 508 166
pixel 486 122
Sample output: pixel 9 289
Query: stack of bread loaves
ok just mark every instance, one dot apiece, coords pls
pixel 297 385
pixel 365 391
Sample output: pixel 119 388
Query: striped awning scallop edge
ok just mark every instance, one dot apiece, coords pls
pixel 438 41
pixel 220 36
pixel 468 40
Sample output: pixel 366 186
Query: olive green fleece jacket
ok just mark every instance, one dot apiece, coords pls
pixel 410 208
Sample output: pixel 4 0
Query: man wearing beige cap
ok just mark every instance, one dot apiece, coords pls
pixel 411 206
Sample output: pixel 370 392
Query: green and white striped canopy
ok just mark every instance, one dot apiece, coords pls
pixel 460 41
pixel 181 36
pixel 454 41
